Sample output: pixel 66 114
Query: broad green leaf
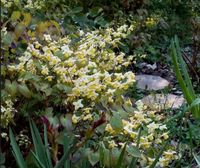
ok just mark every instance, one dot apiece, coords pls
pixel 77 10
pixel 24 90
pixel 101 21
pixel 11 87
pixel 62 87
pixel 29 76
pixel 80 18
pixel 133 151
pixel 7 39
pixel 27 19
pixel 15 16
pixel 66 121
pixel 19 30
pixel 116 122
pixel 93 158
pixel 95 11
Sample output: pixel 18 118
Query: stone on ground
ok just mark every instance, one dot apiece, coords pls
pixel 151 82
pixel 161 101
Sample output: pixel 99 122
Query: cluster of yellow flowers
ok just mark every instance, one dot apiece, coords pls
pixel 7 112
pixel 154 134
pixel 150 22
pixel 88 64
pixel 29 4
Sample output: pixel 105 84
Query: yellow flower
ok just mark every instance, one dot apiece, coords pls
pixel 152 127
pixel 165 135
pixel 128 102
pixel 109 129
pixel 150 137
pixel 87 117
pixel 78 104
pixel 47 37
pixel 49 78
pixel 45 70
pixel 169 154
pixel 112 144
pixel 75 119
pixel 163 162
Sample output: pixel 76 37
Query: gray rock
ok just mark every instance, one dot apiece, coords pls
pixel 151 82
pixel 161 101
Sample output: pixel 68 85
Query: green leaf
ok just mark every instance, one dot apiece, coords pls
pixel 62 87
pixel 77 10
pixel 16 151
pixel 184 69
pixel 183 76
pixel 27 19
pixel 47 146
pixel 7 39
pixel 2 159
pixel 67 140
pixel 66 121
pixel 197 158
pixel 93 158
pixel 15 16
pixel 101 21
pixel 38 160
pixel 40 151
pixel 80 18
pixel 11 87
pixel 19 30
pixel 195 103
pixel 63 159
pixel 121 157
pixel 24 90
pixel 101 153
pixel 116 122
pixel 29 76
pixel 95 11
pixel 158 156
pixel 134 151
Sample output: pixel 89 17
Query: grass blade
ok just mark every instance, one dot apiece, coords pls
pixel 134 160
pixel 16 151
pixel 121 157
pixel 184 68
pixel 178 73
pixel 38 145
pixel 47 146
pixel 197 158
pixel 67 152
pixel 158 156
pixel 66 146
pixel 184 80
pixel 195 103
pixel 38 160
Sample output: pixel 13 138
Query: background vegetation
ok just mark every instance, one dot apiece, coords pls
pixel 68 96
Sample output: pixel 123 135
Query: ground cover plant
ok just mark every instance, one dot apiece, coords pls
pixel 69 84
